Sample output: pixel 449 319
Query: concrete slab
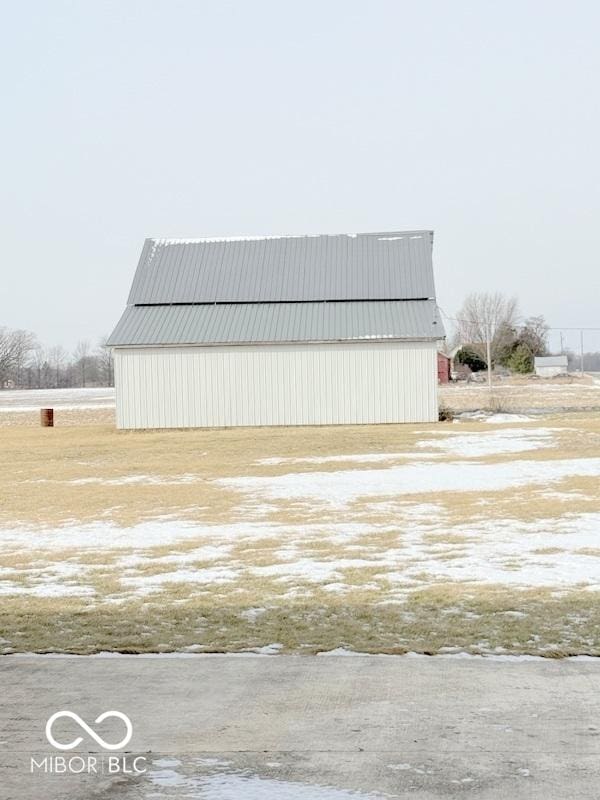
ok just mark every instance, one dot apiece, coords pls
pixel 297 727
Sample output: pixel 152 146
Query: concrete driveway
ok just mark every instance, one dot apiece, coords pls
pixel 299 728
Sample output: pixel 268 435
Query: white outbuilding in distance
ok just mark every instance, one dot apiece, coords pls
pixel 551 366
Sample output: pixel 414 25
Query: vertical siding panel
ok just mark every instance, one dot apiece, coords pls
pixel 284 387
pixel 137 399
pixel 153 397
pixel 219 399
pixel 120 385
pixel 241 399
pixel 210 388
pixel 334 378
pixel 241 395
pixel 274 368
pixel 120 389
pixel 161 421
pixel 255 376
pixel 397 410
pixel 327 404
pixel 229 361
pixel 409 365
pixel 128 386
pixel 129 368
pixel 302 387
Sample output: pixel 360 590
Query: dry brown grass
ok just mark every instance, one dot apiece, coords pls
pixel 369 612
pixel 39 467
pixel 434 619
pixel 523 395
pixel 63 417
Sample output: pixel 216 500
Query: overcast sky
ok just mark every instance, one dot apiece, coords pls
pixel 123 120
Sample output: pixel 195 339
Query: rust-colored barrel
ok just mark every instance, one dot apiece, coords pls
pixel 47 417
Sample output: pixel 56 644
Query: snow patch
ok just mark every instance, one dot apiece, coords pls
pixel 136 479
pixel 267 650
pixel 361 458
pixel 494 419
pixel 21 400
pixel 146 584
pixel 338 490
pixel 105 536
pixel 477 444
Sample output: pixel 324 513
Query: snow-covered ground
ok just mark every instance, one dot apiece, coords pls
pixel 367 495
pixel 551 552
pixel 22 400
pixel 342 488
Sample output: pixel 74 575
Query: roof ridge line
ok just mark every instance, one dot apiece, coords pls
pixel 256 238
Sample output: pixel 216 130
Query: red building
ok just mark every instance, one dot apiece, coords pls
pixel 443 368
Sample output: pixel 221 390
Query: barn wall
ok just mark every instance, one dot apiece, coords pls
pixel 550 372
pixel 308 384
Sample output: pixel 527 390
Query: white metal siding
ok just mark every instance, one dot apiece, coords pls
pixel 550 372
pixel 300 384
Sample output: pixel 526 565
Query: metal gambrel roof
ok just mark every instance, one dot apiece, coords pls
pixel 363 266
pixel 254 323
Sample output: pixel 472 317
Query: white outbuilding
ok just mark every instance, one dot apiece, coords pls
pixel 279 330
pixel 550 366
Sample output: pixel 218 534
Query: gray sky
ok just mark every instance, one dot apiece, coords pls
pixel 170 118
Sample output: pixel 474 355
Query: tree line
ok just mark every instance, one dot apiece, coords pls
pixel 26 364
pixel 489 326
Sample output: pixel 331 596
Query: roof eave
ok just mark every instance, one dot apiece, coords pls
pixel 262 343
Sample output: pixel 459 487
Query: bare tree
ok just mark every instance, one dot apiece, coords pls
pixel 487 324
pixel 56 358
pixel 24 343
pixel 81 358
pixel 534 335
pixel 39 364
pixel 6 355
pixel 105 362
pixel 15 345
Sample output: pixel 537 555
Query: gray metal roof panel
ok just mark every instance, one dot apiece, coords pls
pixel 364 266
pixel 253 323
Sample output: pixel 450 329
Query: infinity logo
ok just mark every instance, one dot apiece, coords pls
pixel 88 730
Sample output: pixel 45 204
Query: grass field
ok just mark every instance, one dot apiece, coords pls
pixel 477 536
pixel 526 394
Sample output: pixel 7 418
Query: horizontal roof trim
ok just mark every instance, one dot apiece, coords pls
pixel 282 302
pixel 277 323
